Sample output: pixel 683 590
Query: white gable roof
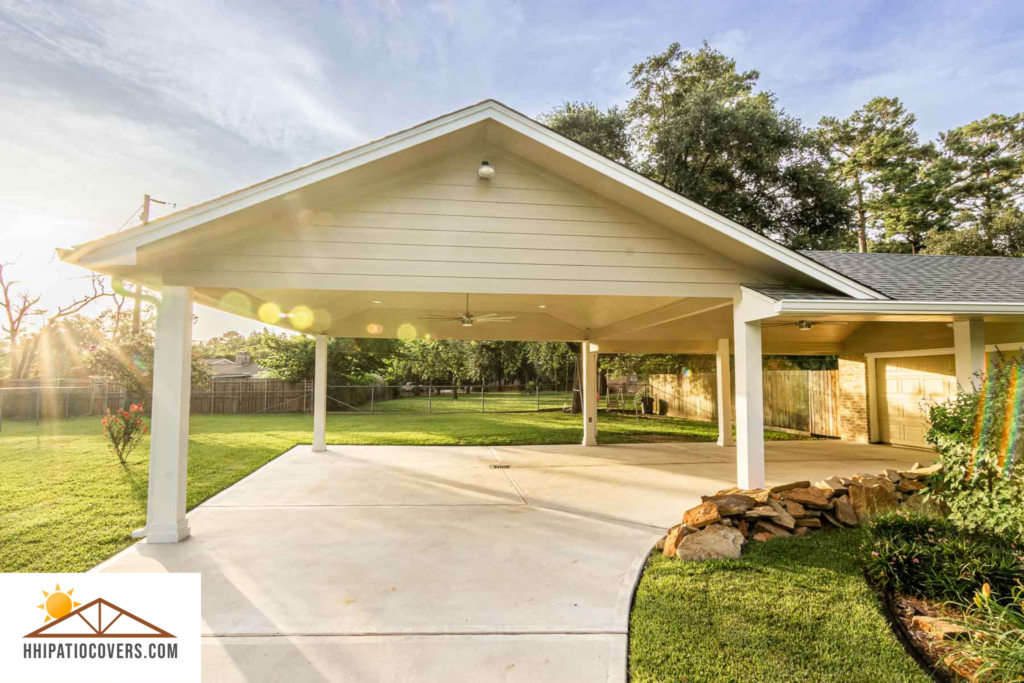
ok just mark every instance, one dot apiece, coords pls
pixel 511 130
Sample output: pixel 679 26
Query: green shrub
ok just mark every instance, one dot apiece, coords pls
pixel 932 558
pixel 979 436
pixel 996 637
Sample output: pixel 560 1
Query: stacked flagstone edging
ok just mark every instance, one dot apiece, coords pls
pixel 723 523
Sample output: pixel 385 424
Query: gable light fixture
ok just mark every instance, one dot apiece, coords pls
pixel 486 171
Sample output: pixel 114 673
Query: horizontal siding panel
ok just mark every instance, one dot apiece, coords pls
pixel 448 207
pixel 279 264
pixel 483 191
pixel 523 226
pixel 320 234
pixel 413 252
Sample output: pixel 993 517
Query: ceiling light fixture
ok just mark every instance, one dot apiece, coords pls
pixel 376 302
pixel 542 306
pixel 486 171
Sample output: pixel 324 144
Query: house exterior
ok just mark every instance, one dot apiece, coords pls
pixel 242 367
pixel 387 239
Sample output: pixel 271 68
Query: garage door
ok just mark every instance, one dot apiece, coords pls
pixel 906 387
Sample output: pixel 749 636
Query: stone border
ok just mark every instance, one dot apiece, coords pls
pixel 722 524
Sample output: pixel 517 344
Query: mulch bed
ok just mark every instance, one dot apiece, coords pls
pixel 930 651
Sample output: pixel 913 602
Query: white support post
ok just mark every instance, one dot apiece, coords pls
pixel 320 395
pixel 749 398
pixel 724 394
pixel 588 387
pixel 168 444
pixel 969 347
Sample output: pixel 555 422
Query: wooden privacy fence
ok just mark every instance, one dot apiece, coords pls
pixel 219 396
pixel 801 400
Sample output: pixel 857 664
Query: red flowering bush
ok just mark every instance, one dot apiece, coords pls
pixel 124 429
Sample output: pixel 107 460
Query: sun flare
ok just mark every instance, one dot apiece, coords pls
pixel 58 603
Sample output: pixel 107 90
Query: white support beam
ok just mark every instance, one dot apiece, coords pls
pixel 724 393
pixel 749 396
pixel 969 350
pixel 588 387
pixel 320 395
pixel 168 443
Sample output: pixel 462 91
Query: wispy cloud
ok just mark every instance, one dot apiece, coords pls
pixel 246 76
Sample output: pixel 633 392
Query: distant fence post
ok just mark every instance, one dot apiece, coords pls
pixel 430 397
pixel 483 393
pixel 371 397
pixel 537 386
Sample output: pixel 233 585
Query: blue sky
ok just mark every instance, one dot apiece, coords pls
pixel 101 102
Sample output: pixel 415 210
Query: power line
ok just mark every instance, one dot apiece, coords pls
pixel 134 213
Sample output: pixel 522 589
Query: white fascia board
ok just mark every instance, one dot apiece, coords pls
pixel 864 307
pixel 659 193
pixel 281 185
pixel 753 305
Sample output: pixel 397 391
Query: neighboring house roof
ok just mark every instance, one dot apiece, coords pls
pixel 222 367
pixel 919 277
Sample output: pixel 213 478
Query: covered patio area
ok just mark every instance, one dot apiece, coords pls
pixel 484 224
pixel 390 563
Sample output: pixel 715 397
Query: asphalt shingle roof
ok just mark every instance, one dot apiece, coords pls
pixel 918 277
pixel 780 293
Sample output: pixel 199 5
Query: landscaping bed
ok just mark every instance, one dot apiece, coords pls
pixel 956 595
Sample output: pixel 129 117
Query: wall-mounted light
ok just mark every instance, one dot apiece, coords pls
pixel 594 348
pixel 486 171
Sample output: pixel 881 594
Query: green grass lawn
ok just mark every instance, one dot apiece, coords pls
pixel 494 401
pixel 66 503
pixel 444 402
pixel 791 610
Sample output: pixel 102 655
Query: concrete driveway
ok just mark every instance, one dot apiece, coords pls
pixel 388 563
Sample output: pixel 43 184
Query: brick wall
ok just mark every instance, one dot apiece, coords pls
pixel 853 398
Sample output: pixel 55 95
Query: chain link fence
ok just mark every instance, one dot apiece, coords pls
pixel 449 398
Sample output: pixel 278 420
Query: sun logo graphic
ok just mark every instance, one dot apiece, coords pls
pixel 58 603
pixel 66 618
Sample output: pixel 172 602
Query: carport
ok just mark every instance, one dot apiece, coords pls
pixel 487 203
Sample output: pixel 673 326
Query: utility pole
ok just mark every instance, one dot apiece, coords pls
pixel 137 308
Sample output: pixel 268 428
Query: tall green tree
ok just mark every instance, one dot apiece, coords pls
pixel 605 132
pixel 349 361
pixel 698 126
pixel 915 205
pixel 982 165
pixel 704 131
pixel 441 361
pixel 1003 236
pixel 876 156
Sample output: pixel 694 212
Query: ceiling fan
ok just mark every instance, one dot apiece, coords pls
pixel 468 319
pixel 802 325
